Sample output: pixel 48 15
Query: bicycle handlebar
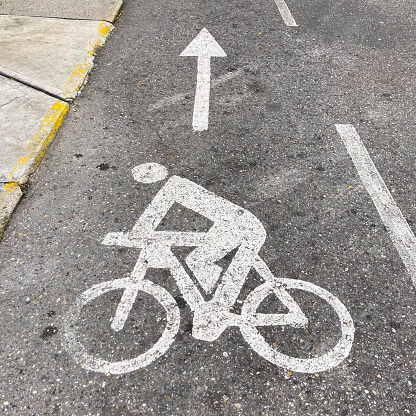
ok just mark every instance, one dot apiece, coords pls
pixel 165 238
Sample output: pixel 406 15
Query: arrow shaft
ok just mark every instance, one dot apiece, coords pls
pixel 201 106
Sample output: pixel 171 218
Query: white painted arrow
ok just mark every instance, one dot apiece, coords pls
pixel 204 46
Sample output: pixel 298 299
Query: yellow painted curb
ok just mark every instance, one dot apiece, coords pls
pixel 111 15
pixel 10 195
pixel 39 142
pixel 80 73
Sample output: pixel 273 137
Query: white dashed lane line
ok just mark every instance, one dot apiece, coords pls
pixel 285 12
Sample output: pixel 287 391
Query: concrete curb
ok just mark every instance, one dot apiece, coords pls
pixel 9 198
pixel 10 192
pixel 80 74
pixel 39 143
pixel 112 14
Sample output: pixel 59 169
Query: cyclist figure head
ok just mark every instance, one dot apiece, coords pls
pixel 150 173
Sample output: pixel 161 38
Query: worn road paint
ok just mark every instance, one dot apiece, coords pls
pixel 285 13
pixel 397 226
pixel 150 173
pixel 168 101
pixel 233 227
pixel 204 46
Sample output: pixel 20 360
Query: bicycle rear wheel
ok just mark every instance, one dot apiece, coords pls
pixel 251 320
pixel 95 363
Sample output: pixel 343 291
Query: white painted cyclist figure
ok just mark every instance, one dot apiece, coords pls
pixel 232 227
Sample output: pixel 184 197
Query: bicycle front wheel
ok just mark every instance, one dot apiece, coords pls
pixel 251 321
pixel 95 363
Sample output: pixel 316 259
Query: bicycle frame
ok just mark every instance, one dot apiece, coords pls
pixel 211 317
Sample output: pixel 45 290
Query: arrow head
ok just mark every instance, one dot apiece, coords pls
pixel 203 45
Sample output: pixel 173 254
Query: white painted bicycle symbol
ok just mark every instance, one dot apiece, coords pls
pixel 234 228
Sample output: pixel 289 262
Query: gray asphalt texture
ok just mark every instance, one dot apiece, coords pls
pixel 271 148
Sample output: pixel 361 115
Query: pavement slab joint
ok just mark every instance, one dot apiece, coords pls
pixel 66 9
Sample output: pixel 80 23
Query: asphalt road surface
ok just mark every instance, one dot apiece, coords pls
pixel 272 149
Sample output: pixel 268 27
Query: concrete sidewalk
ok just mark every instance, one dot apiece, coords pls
pixel 47 53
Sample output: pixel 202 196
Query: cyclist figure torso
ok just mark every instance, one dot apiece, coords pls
pixel 232 227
